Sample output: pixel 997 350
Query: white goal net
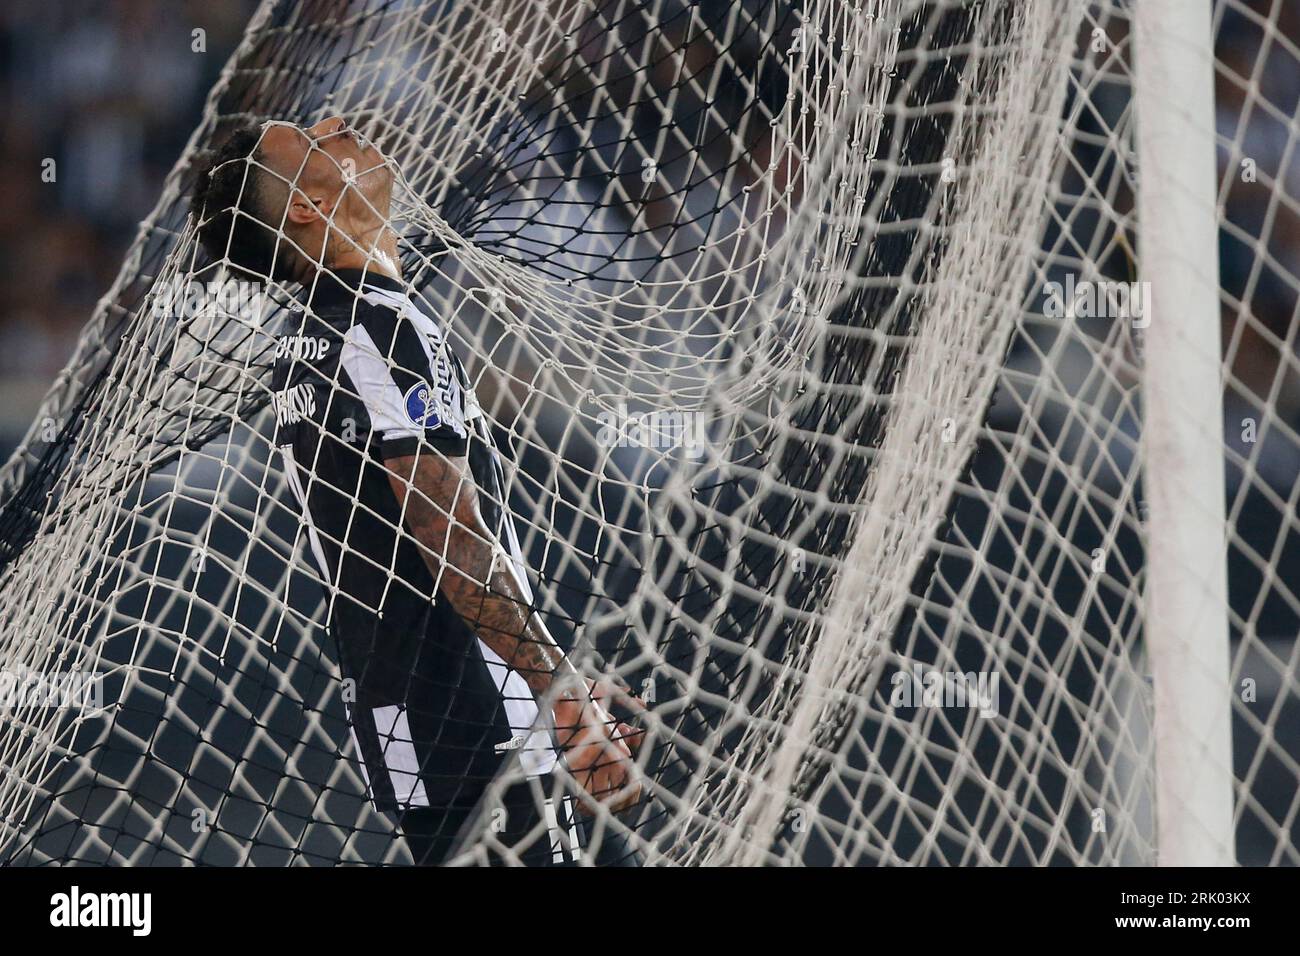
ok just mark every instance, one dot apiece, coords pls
pixel 873 396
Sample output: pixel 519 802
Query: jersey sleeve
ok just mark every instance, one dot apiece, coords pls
pixel 397 364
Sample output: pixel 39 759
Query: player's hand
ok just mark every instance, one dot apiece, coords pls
pixel 597 747
pixel 609 691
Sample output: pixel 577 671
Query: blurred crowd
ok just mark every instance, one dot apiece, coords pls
pixel 1257 100
pixel 99 98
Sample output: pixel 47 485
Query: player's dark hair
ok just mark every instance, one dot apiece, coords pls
pixel 229 201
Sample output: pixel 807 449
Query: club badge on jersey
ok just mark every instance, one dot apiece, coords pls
pixel 421 408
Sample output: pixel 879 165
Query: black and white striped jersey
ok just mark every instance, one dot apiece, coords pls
pixel 364 375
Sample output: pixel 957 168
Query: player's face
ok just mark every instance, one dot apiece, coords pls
pixel 341 173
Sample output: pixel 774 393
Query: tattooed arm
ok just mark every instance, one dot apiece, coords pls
pixel 440 506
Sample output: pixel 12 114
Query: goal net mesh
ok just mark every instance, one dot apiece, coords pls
pixel 798 440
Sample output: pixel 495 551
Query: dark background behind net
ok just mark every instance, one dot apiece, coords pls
pixel 111 91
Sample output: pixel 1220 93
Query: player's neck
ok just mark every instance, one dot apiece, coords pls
pixel 377 262
pixel 380 258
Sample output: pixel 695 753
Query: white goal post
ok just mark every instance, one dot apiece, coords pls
pixel 1186 588
pixel 902 396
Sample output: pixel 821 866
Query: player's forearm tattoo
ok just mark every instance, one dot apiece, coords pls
pixel 441 513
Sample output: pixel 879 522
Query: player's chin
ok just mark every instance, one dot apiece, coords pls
pixel 372 159
pixel 374 175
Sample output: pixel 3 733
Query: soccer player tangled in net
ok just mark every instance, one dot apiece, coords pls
pixel 448 671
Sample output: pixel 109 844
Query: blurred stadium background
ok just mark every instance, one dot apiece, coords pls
pixel 112 90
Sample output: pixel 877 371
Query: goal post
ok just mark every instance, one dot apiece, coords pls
pixel 1186 598
pixel 803 348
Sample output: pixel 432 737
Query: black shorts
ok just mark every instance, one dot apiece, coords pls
pixel 414 757
pixel 535 820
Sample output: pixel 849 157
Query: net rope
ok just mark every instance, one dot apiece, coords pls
pixel 818 233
